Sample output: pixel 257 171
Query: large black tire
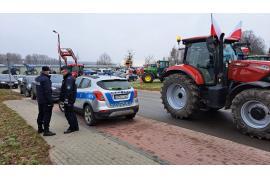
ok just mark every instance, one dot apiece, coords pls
pixel 89 116
pixel 131 116
pixel 191 94
pixel 148 78
pixel 244 119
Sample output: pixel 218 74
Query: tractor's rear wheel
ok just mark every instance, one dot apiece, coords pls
pixel 147 78
pixel 180 96
pixel 251 112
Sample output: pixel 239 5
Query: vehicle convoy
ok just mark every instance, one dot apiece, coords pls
pixel 100 97
pixel 154 71
pixel 212 78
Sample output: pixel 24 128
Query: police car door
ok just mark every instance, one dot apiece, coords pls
pixel 78 82
pixel 83 93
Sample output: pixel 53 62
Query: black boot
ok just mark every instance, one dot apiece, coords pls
pixel 48 133
pixel 40 130
pixel 68 131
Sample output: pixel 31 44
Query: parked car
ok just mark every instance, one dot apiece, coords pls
pixel 7 80
pixel 129 77
pixel 26 85
pixel 56 87
pixel 100 97
pixel 105 72
pixel 19 78
pixel 89 72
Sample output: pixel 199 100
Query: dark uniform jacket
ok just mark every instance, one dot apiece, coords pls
pixel 68 89
pixel 44 89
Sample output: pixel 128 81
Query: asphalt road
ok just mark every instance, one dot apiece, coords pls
pixel 217 124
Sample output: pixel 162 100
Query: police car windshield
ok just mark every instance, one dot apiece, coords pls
pixel 114 84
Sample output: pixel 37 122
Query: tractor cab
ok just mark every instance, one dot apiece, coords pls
pixel 162 64
pixel 75 69
pixel 208 56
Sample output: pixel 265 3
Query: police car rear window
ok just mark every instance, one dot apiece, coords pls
pixel 114 84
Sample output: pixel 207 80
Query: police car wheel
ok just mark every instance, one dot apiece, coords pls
pixel 89 117
pixel 131 116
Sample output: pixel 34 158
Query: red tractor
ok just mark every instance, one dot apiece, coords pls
pixel 75 69
pixel 212 78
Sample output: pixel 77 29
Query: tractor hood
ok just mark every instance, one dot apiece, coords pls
pixel 248 70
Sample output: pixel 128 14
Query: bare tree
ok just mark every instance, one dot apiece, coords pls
pixel 257 44
pixel 39 59
pixel 149 59
pixel 14 58
pixel 176 56
pixel 173 56
pixel 104 59
pixel 3 58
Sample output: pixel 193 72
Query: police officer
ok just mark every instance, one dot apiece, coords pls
pixel 68 96
pixel 45 102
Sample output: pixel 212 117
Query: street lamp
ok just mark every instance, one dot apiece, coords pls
pixel 59 56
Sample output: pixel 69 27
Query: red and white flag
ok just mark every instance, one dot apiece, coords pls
pixel 237 32
pixel 215 29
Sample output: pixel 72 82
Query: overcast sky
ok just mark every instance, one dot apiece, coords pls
pixel 90 35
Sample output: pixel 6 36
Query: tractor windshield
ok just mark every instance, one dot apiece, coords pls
pixel 163 64
pixel 229 53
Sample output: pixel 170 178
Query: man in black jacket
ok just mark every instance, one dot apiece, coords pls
pixel 68 96
pixel 45 102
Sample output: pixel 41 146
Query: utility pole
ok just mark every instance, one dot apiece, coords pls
pixel 9 73
pixel 58 47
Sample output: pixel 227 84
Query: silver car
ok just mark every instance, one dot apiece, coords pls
pixel 100 97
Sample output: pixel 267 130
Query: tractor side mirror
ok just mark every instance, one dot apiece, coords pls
pixel 210 43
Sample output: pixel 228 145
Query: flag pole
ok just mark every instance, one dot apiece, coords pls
pixel 211 24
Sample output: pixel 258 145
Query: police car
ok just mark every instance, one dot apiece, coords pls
pixel 101 97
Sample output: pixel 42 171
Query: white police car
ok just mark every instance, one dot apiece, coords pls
pixel 100 97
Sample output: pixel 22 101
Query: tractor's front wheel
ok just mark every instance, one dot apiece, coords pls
pixel 251 112
pixel 180 95
pixel 147 78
